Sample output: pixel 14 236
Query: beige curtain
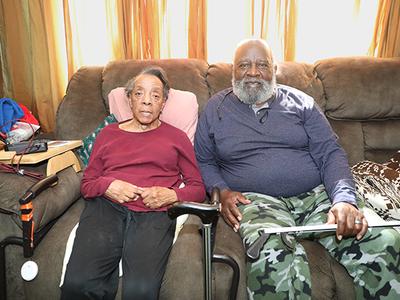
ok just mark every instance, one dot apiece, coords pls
pixel 146 28
pixel 288 12
pixel 386 39
pixel 41 47
pixel 197 33
pixel 286 22
pixel 29 62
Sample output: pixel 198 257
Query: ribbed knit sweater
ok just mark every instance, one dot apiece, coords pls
pixel 160 157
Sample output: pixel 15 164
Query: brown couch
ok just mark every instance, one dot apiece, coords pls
pixel 359 95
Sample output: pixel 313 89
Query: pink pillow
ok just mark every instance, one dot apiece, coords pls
pixel 181 109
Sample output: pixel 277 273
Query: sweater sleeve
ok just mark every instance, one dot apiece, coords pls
pixel 93 183
pixel 194 187
pixel 329 157
pixel 204 145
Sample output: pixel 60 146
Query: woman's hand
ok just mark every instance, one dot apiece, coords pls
pixel 350 221
pixel 123 191
pixel 156 197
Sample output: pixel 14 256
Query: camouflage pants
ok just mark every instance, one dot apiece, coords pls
pixel 282 271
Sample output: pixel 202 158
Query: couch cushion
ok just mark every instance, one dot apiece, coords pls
pixel 183 74
pixel 329 279
pixel 351 138
pixel 360 88
pixel 382 135
pixel 303 77
pixel 219 77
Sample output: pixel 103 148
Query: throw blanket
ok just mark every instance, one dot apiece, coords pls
pixel 379 186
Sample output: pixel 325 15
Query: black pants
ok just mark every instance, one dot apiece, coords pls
pixel 108 232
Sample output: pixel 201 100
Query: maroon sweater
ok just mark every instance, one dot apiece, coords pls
pixel 160 157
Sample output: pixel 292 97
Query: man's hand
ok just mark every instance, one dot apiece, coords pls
pixel 123 191
pixel 229 200
pixel 156 196
pixel 350 221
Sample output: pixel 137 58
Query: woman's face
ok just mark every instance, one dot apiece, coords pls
pixel 147 99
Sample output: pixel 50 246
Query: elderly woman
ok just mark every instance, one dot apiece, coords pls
pixel 135 172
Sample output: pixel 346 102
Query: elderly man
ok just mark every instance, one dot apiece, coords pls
pixel 277 162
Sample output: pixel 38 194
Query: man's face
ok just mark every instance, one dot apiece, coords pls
pixel 253 73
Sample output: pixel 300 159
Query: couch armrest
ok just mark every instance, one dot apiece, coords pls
pixel 26 209
pixel 50 204
pixel 183 278
pixel 228 242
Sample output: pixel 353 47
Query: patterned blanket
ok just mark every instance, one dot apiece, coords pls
pixel 379 186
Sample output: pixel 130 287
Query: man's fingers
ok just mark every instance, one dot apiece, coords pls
pixel 363 230
pixel 242 199
pixel 229 200
pixel 237 216
pixel 227 220
pixel 331 218
pixel 341 222
pixel 232 216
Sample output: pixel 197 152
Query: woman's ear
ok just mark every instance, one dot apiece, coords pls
pixel 162 108
pixel 130 101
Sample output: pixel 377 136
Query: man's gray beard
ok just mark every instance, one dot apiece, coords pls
pixel 249 95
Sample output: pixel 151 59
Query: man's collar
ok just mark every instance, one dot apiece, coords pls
pixel 265 104
pixel 258 107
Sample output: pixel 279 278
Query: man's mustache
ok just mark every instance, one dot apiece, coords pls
pixel 253 81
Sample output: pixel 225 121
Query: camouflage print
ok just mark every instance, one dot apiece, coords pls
pixel 282 271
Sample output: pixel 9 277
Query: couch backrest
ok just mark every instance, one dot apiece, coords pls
pixel 359 95
pixel 363 104
pixel 183 74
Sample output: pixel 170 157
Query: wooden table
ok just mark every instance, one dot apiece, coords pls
pixel 58 154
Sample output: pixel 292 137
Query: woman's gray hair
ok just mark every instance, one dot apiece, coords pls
pixel 152 70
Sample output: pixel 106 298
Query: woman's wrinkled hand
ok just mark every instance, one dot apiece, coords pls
pixel 350 221
pixel 155 197
pixel 123 191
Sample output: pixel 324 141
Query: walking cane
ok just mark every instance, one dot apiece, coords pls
pixel 208 213
pixel 253 251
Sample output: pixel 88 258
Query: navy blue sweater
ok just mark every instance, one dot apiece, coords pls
pixel 292 151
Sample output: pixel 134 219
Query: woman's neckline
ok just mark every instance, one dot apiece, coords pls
pixel 137 129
